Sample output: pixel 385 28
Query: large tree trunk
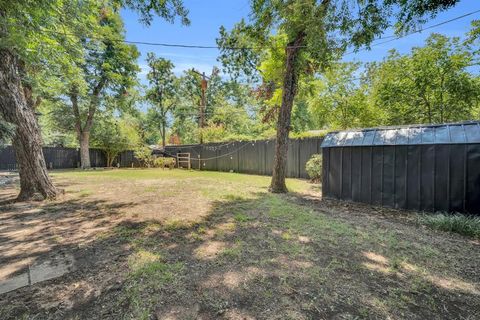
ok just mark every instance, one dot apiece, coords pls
pixel 83 132
pixel 290 84
pixel 17 107
pixel 84 139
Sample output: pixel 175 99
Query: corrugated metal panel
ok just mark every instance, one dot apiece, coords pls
pixel 425 177
pixel 466 132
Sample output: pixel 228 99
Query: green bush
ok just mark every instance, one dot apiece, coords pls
pixel 314 167
pixel 458 223
pixel 164 163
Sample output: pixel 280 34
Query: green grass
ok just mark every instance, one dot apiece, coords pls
pixel 221 178
pixel 241 217
pixel 148 273
pixel 458 223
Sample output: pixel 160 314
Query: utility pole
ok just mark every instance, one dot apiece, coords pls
pixel 203 103
pixel 202 107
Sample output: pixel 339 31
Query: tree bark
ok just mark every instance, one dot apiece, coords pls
pixel 83 132
pixel 84 139
pixel 290 86
pixel 17 107
pixel 110 158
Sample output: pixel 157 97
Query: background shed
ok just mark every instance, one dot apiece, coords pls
pixel 428 168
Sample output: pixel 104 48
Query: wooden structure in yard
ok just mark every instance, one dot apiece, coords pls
pixel 418 167
pixel 184 159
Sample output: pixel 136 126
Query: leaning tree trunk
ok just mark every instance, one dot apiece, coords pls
pixel 17 108
pixel 290 84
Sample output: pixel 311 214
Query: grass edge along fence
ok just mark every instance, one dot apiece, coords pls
pixel 252 157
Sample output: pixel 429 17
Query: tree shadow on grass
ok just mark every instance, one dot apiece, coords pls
pixel 31 233
pixel 264 257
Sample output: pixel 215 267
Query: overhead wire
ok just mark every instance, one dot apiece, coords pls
pixel 217 157
pixel 414 32
pixel 195 46
pixel 193 146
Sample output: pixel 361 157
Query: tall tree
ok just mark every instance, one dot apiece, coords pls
pixel 318 32
pixel 432 84
pixel 162 93
pixel 109 67
pixel 29 54
pixel 33 38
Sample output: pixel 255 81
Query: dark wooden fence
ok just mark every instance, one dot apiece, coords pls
pixel 59 158
pixel 254 157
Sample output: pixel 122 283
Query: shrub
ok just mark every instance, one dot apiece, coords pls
pixel 164 163
pixel 144 155
pixel 314 168
pixel 458 223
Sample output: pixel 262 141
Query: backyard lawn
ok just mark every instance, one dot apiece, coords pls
pixel 177 244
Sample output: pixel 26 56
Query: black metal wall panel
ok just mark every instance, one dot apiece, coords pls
pixel 335 172
pixel 366 175
pixel 422 167
pixel 400 194
pixel 413 177
pixel 473 179
pixel 388 177
pixel 427 173
pixel 377 175
pixel 325 172
pixel 356 173
pixel 346 175
pixel 457 176
pixel 441 178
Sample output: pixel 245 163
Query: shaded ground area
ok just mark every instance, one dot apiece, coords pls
pixel 155 244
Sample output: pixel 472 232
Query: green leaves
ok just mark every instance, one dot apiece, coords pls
pixel 163 83
pixel 169 10
pixel 430 85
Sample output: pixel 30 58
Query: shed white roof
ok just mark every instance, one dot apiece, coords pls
pixel 450 133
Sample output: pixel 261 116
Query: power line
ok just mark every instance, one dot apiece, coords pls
pixel 414 32
pixel 193 146
pixel 220 156
pixel 194 46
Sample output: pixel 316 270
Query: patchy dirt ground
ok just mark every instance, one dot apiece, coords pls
pixel 159 244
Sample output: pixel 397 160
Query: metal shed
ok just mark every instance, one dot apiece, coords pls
pixel 419 167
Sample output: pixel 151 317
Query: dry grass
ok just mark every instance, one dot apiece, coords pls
pixel 202 245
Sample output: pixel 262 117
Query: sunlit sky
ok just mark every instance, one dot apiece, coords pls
pixel 208 15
